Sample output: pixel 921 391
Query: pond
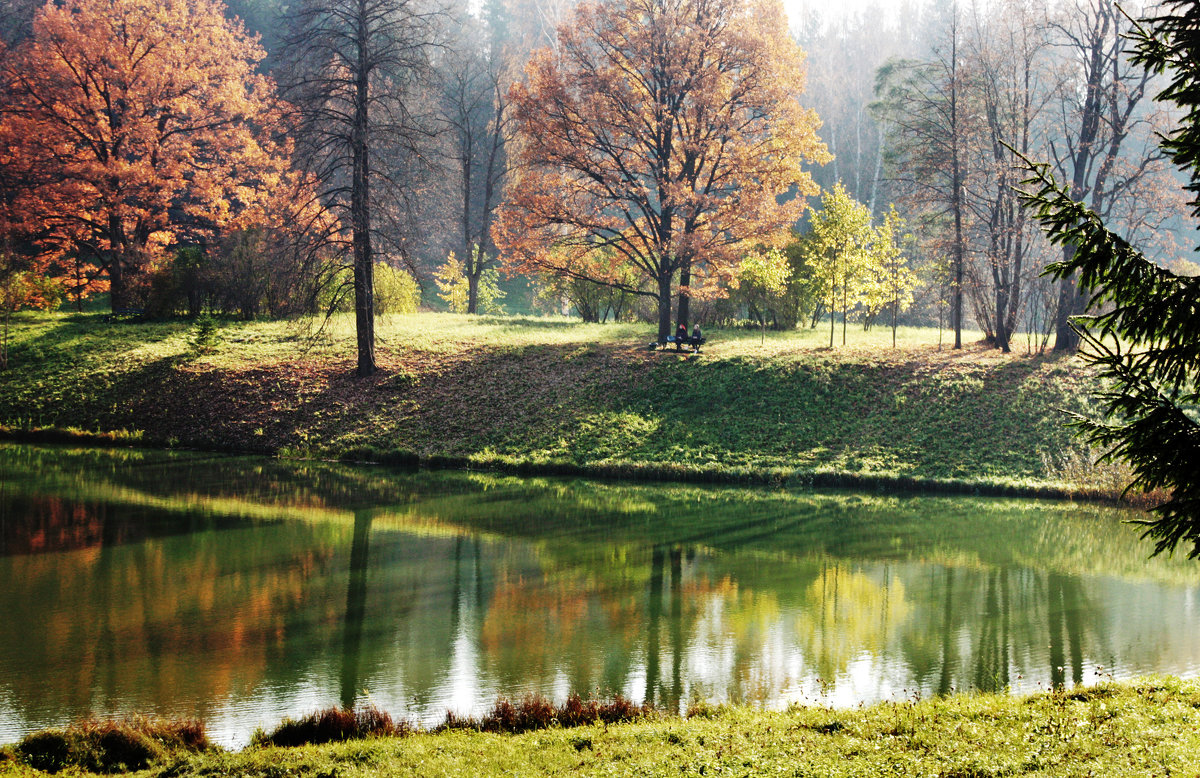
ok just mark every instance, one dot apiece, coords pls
pixel 243 590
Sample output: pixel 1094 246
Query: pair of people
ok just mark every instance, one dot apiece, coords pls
pixel 681 337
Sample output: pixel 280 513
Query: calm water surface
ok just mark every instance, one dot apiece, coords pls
pixel 243 590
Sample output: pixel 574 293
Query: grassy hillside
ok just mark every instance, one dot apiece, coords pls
pixel 560 394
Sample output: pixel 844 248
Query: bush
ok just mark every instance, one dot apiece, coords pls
pixel 330 725
pixel 395 290
pixel 110 746
pixel 536 712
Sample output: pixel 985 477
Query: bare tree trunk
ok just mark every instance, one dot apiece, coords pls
pixel 956 184
pixel 474 273
pixel 1066 340
pixel 360 208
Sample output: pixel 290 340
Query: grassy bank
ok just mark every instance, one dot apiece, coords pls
pixel 1142 728
pixel 562 396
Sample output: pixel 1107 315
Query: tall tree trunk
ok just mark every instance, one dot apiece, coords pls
pixel 664 305
pixel 118 251
pixel 1003 336
pixel 845 304
pixel 469 259
pixel 1070 303
pixel 116 283
pixel 473 274
pixel 685 277
pixel 832 308
pixel 956 184
pixel 360 210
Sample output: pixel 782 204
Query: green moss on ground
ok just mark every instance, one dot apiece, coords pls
pixel 560 395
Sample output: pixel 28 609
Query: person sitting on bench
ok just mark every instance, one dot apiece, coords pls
pixel 697 338
pixel 681 336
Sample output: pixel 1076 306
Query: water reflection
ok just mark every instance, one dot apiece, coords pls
pixel 244 590
pixel 356 608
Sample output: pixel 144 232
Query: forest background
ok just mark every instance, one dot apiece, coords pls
pixel 918 224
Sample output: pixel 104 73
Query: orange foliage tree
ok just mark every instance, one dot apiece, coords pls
pixel 132 125
pixel 666 130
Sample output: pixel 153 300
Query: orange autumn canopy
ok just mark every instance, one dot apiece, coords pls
pixel 666 130
pixel 130 125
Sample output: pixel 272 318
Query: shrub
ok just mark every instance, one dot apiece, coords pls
pixel 330 725
pixel 110 746
pixel 50 750
pixel 395 290
pixel 536 712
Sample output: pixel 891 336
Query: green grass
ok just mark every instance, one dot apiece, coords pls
pixel 1143 728
pixel 558 394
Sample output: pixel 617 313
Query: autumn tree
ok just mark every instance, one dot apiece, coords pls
pixel 131 126
pixel 355 68
pixel 837 247
pixel 466 295
pixel 890 281
pixel 762 278
pixel 666 130
pixel 592 301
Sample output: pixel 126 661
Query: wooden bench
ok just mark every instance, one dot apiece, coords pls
pixel 124 313
pixel 678 344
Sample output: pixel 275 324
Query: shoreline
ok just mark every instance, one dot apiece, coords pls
pixel 631 471
pixel 1140 726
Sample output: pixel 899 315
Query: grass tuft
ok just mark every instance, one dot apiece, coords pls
pixel 332 725
pixel 534 712
pixel 110 746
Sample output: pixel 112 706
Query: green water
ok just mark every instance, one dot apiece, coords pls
pixel 243 590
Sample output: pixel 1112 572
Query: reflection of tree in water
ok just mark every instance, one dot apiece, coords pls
pixel 544 586
pixel 667 693
pixel 847 614
pixel 356 608
pixel 982 628
pixel 1067 604
pixel 1011 611
pixel 197 618
pixel 993 652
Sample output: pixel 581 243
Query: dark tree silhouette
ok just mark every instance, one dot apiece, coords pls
pixel 1147 347
pixel 355 66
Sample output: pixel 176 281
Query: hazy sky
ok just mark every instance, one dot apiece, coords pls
pixel 829 9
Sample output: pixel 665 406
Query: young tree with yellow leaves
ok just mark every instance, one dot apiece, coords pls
pixel 890 281
pixel 837 247
pixel 133 125
pixel 666 130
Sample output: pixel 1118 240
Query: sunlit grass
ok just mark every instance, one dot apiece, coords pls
pixel 1147 727
pixel 446 333
pixel 554 392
